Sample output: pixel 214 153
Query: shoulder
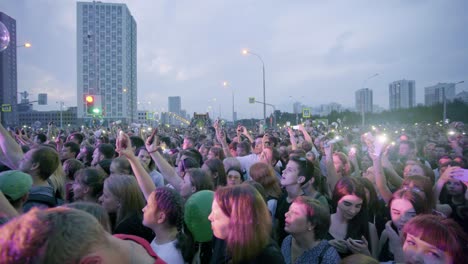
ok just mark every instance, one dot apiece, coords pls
pixel 271 254
pixel 329 255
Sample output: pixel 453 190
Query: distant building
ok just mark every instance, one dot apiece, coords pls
pixel 364 100
pixel 174 104
pixel 42 118
pixel 107 59
pixel 435 94
pixel 402 94
pixel 8 76
pixel 326 109
pixel 463 96
pixel 297 108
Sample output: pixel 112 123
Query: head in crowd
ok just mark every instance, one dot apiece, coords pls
pixel 192 153
pixel 341 163
pixel 404 205
pixel 215 169
pixel 371 194
pixel 40 162
pixel 185 164
pixel 64 235
pixel 413 167
pixel 216 152
pixel 137 142
pixel 70 167
pixel 145 159
pixel 349 199
pixel 240 217
pixel 15 186
pixel 243 148
pixel 233 148
pixel 265 175
pixel 165 210
pixel 421 185
pixel 195 180
pixel 434 239
pixel 122 196
pixel 298 172
pixel 104 166
pixel 40 138
pixel 189 142
pixel 204 150
pixel 86 155
pixel 95 210
pixel 69 150
pixel 307 216
pixel 103 151
pixel 76 138
pixel 121 165
pixel 258 145
pixel 234 176
pixel 231 162
pixel 88 185
pixel 406 149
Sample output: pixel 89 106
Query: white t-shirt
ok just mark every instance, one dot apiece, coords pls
pixel 168 252
pixel 246 162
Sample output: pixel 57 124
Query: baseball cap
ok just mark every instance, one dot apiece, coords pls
pixel 15 184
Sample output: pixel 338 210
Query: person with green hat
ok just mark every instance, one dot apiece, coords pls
pixel 15 186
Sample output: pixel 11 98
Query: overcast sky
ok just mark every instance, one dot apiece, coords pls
pixel 316 51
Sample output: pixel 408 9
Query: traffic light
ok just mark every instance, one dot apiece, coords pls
pixel 93 104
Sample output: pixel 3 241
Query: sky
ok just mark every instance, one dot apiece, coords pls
pixel 315 52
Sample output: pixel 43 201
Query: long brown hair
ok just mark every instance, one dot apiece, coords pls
pixel 265 175
pixel 250 221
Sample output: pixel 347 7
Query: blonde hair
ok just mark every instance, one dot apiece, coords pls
pixel 58 181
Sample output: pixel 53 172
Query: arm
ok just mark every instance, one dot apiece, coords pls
pixel 144 179
pixel 10 148
pixel 393 176
pixel 246 133
pixel 374 240
pixel 164 167
pixel 306 135
pixel 331 171
pixel 292 138
pixel 380 180
pixel 221 136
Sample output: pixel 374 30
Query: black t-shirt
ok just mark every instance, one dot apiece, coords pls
pixel 133 226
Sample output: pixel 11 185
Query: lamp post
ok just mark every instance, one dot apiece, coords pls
pixel 445 102
pixel 226 84
pixel 245 52
pixel 363 115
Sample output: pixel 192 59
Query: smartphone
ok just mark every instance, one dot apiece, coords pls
pixel 295 127
pixel 464 176
pixel 358 241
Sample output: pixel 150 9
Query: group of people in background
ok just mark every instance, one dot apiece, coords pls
pixel 227 194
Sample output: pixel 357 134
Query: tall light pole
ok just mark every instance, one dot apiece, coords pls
pixel 445 101
pixel 363 115
pixel 226 84
pixel 245 52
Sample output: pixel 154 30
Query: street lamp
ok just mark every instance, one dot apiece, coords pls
pixel 363 115
pixel 226 84
pixel 445 102
pixel 245 52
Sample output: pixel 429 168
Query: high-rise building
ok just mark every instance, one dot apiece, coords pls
pixel 364 100
pixel 174 104
pixel 8 76
pixel 402 94
pixel 435 94
pixel 107 59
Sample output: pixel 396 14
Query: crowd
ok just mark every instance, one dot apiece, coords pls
pixel 314 194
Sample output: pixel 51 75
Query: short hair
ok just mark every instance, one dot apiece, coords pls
pixel 317 214
pixel 56 235
pixel 91 178
pixel 48 160
pixel 71 166
pixel 41 137
pixel 215 165
pixel 306 168
pixel 122 165
pixel 246 145
pixel 105 165
pixel 418 202
pixel 194 154
pixel 107 150
pixel 231 162
pixel 74 147
pixel 137 142
pixel 249 221
pixel 200 179
pixel 95 210
pixel 443 233
pixel 78 136
pixel 423 185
